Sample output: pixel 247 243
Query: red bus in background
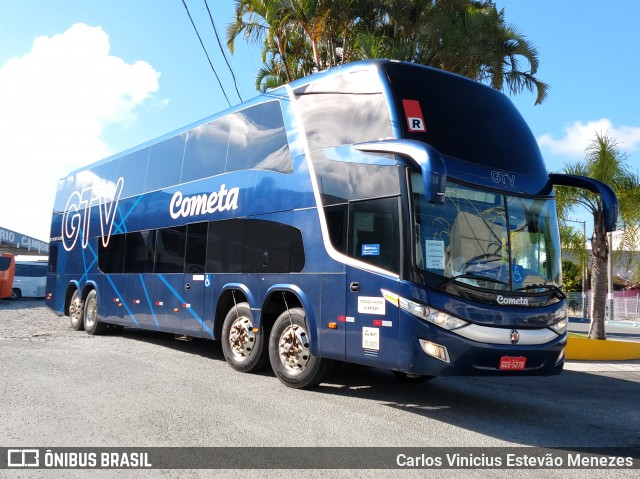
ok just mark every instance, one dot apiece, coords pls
pixel 7 271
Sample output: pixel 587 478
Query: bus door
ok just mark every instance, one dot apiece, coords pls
pixel 371 321
pixel 195 281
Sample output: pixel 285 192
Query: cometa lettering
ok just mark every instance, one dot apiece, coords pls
pixel 513 301
pixel 197 205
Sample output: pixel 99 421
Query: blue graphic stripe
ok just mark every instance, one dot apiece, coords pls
pixel 181 299
pixel 123 302
pixel 146 295
pixel 121 227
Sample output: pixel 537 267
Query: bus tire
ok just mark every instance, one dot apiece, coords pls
pixel 75 312
pixel 291 359
pixel 92 324
pixel 16 293
pixel 243 348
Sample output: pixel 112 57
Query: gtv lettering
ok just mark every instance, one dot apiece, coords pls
pixel 197 205
pixel 77 215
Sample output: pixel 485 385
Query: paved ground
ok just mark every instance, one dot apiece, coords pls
pixel 66 388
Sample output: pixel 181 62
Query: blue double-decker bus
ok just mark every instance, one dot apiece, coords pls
pixel 380 213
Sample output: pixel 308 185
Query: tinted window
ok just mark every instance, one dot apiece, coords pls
pixel 139 252
pixel 170 250
pixel 133 168
pixel 4 263
pixel 337 225
pixel 23 270
pixel 165 163
pixel 39 270
pixel 344 109
pixel 374 235
pixel 225 248
pixel 465 119
pixel 206 151
pixel 341 181
pixel 196 251
pixel 258 140
pixel 272 248
pixel 111 257
pixel 53 259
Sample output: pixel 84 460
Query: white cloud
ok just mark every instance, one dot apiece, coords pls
pixel 55 102
pixel 578 135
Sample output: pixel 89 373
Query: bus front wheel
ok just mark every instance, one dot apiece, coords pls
pixel 92 324
pixel 16 293
pixel 75 312
pixel 289 353
pixel 242 346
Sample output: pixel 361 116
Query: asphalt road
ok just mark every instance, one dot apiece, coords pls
pixel 62 388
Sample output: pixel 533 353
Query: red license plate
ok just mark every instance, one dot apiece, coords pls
pixel 512 363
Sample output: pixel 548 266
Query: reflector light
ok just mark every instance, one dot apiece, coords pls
pixel 333 325
pixel 116 300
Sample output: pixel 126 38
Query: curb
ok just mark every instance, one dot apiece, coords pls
pixel 583 348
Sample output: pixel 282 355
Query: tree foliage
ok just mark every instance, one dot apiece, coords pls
pixel 604 161
pixel 467 37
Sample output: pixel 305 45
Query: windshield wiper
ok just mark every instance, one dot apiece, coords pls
pixel 557 292
pixel 471 276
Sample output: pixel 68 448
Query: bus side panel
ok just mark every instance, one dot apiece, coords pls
pixel 112 289
pixel 139 300
pixel 331 341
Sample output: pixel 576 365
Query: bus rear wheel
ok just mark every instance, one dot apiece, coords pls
pixel 289 353
pixel 92 324
pixel 16 293
pixel 75 312
pixel 242 347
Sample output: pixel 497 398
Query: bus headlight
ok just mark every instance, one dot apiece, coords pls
pixel 560 327
pixel 434 316
pixel 561 321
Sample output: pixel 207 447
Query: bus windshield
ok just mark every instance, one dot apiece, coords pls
pixel 487 239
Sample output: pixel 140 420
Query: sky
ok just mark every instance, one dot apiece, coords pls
pixel 83 79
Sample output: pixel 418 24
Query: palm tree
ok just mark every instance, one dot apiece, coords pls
pixel 604 161
pixel 467 37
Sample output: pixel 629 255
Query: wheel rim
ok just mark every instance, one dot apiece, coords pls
pixel 75 309
pixel 293 349
pixel 242 339
pixel 90 312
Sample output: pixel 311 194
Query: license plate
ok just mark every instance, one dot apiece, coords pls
pixel 512 363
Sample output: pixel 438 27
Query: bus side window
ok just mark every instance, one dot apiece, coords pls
pixel 206 151
pixel 337 226
pixel 165 163
pixel 258 140
pixel 225 246
pixel 196 253
pixel 111 257
pixel 374 235
pixel 170 250
pixel 139 252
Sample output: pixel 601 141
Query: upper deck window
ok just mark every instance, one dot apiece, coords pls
pixel 257 139
pixel 344 109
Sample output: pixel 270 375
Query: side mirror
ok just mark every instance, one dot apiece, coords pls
pixel 610 202
pixel 427 158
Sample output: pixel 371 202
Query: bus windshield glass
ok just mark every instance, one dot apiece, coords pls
pixel 486 239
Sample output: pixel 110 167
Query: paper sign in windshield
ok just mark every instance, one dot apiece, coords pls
pixel 434 254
